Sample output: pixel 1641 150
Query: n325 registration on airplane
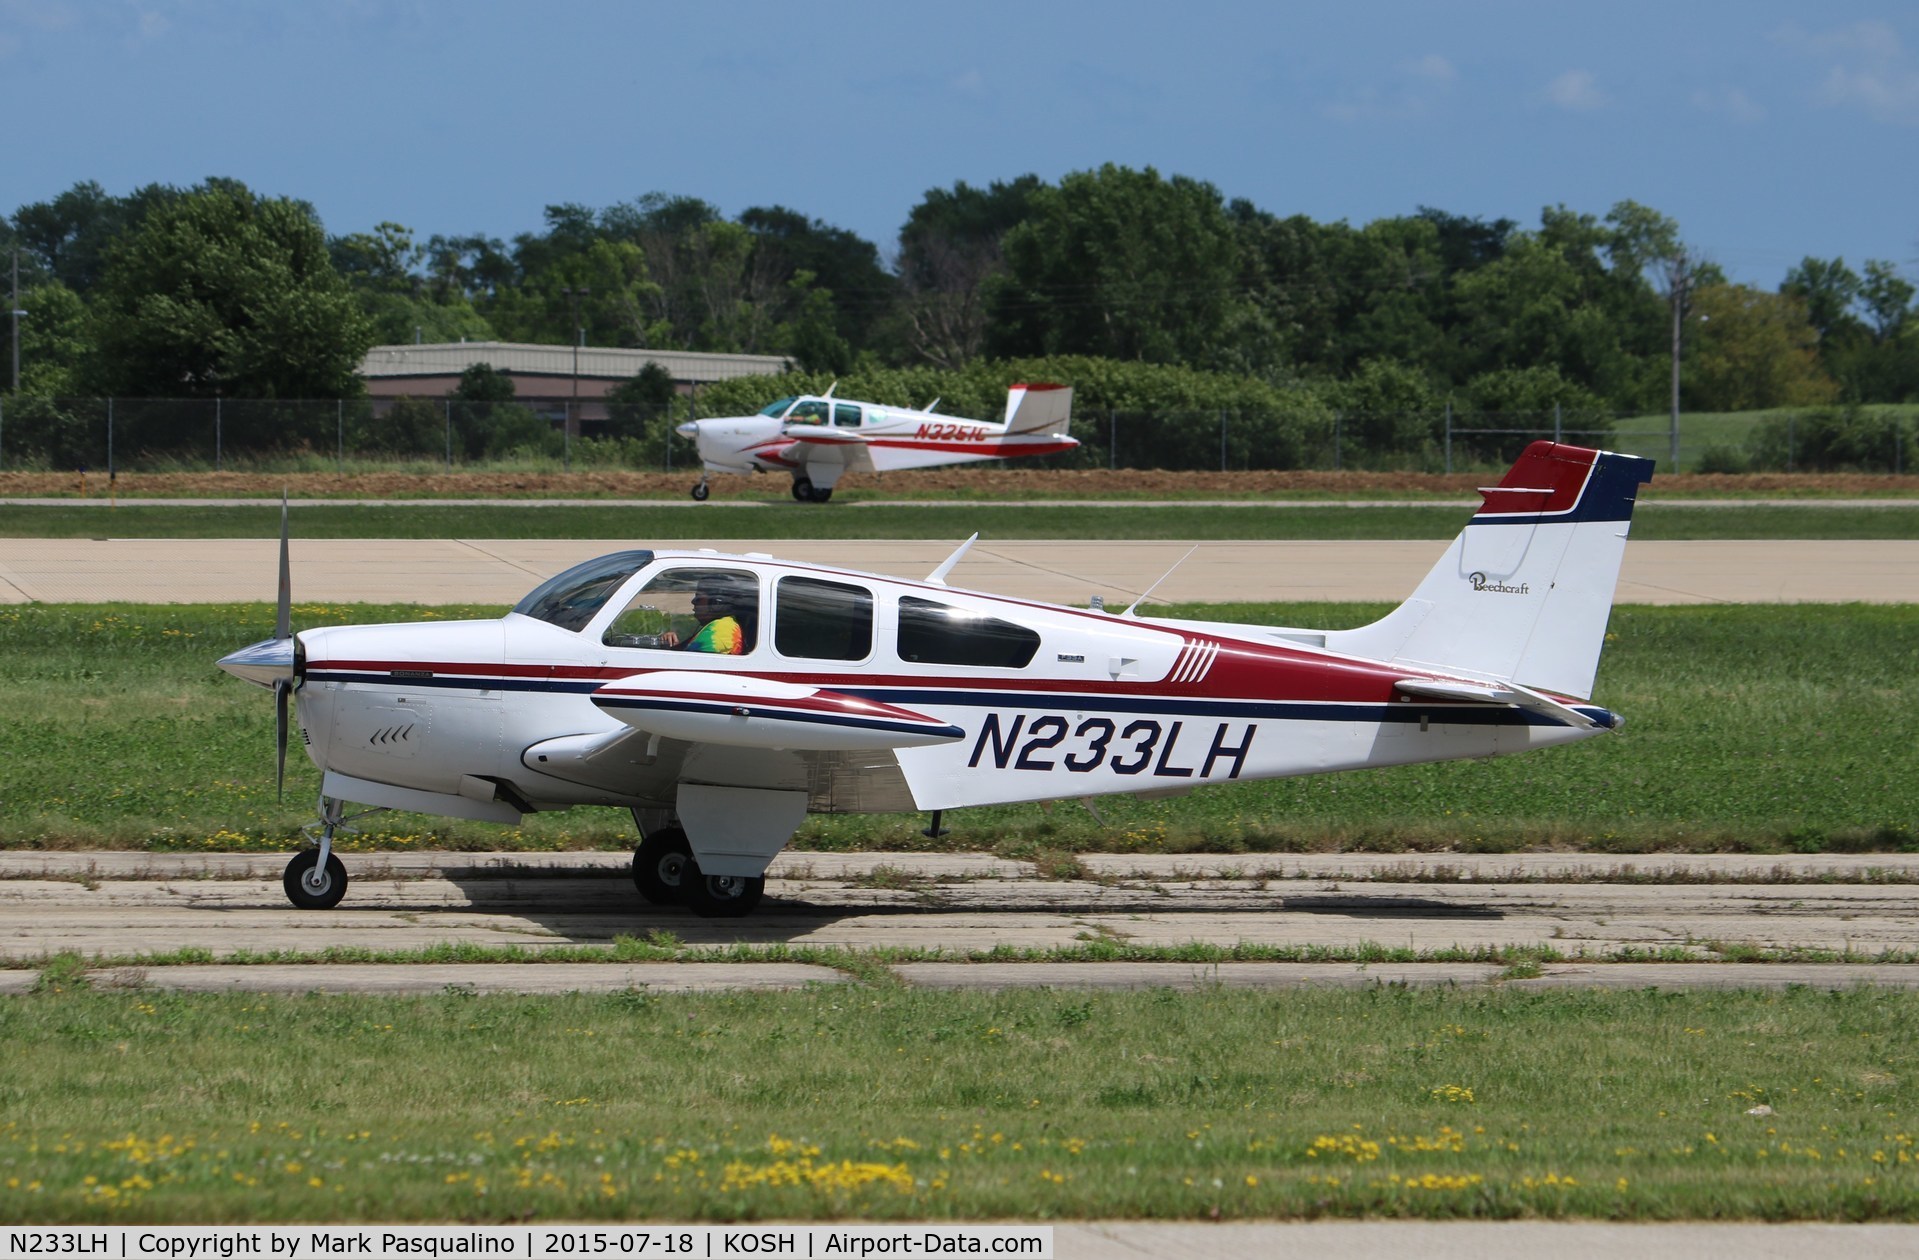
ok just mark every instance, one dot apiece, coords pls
pixel 835 691
pixel 817 438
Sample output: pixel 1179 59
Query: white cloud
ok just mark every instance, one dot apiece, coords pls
pixel 1866 67
pixel 1730 101
pixel 1576 90
pixel 1419 88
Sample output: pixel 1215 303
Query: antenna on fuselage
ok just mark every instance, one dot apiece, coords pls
pixel 829 390
pixel 938 576
pixel 1162 577
pixel 929 406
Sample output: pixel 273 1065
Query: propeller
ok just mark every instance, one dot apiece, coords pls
pixel 274 662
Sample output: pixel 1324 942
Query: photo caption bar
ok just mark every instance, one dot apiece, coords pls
pixel 521 1242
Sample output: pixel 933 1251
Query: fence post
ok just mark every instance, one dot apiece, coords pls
pixel 446 406
pixel 1112 439
pixel 110 469
pixel 566 439
pixel 1337 417
pixel 1449 437
pixel 1558 430
pixel 1791 437
pixel 3 432
pixel 1222 439
pixel 339 433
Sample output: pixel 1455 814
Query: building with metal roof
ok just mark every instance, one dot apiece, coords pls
pixel 544 374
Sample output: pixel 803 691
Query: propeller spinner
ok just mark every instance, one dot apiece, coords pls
pixel 274 662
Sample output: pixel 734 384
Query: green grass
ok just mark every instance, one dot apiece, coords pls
pixel 1749 728
pixel 886 1104
pixel 1116 521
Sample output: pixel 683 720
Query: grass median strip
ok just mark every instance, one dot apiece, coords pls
pixel 886 1104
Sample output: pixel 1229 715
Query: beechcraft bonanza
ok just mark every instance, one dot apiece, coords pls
pixel 817 438
pixel 853 693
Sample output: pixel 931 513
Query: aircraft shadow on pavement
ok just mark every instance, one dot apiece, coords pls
pixel 597 904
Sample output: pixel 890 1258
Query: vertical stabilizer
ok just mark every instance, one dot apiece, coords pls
pixel 1046 409
pixel 1523 594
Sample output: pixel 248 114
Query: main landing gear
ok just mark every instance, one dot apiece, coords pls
pixel 806 492
pixel 666 873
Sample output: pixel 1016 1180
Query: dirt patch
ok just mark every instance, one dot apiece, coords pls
pixel 959 483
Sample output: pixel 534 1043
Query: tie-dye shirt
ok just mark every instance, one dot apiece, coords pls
pixel 722 635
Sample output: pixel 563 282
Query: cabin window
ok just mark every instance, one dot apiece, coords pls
pixel 939 634
pixel 813 411
pixel 694 609
pixel 570 599
pixel 821 620
pixel 777 407
pixel 846 415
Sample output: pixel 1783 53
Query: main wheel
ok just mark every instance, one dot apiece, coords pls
pixel 803 489
pixel 819 494
pixel 311 888
pixel 700 492
pixel 660 866
pixel 721 896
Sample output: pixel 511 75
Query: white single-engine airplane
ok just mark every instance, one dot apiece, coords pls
pixel 849 692
pixel 818 437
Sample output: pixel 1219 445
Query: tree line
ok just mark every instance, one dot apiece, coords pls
pixel 216 290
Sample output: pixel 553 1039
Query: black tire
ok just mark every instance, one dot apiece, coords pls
pixel 819 495
pixel 700 492
pixel 802 489
pixel 721 896
pixel 332 883
pixel 661 865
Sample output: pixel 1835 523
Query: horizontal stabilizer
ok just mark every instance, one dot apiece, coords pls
pixel 1519 697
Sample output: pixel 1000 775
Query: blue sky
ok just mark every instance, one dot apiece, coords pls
pixel 1769 130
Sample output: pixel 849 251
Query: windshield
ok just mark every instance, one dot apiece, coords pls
pixel 777 408
pixel 570 599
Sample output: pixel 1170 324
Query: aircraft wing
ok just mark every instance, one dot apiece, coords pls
pixel 743 711
pixel 845 450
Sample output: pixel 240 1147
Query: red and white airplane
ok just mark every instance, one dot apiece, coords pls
pixel 817 438
pixel 854 692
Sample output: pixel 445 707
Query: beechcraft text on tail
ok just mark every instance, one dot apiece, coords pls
pixel 819 438
pixel 722 698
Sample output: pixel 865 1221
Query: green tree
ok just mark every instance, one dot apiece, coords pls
pixel 1118 263
pixel 637 405
pixel 1388 407
pixel 53 339
pixel 1752 349
pixel 223 291
pixel 949 249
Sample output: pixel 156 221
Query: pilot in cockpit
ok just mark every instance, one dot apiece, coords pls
pixel 723 607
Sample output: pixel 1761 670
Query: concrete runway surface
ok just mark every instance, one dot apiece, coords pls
pixel 500 571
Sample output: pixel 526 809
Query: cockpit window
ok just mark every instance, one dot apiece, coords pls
pixel 939 634
pixel 570 599
pixel 778 408
pixel 812 411
pixel 691 609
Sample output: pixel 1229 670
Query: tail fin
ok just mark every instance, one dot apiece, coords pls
pixel 1523 594
pixel 1038 409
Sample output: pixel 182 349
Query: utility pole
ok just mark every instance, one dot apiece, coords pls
pixel 1678 278
pixel 573 295
pixel 17 313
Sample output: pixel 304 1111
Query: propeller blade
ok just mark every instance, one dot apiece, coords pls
pixel 283 627
pixel 282 692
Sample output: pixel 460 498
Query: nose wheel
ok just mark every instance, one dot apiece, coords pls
pixel 700 491
pixel 315 879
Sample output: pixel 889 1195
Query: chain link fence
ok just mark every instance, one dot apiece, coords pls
pixel 114 435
